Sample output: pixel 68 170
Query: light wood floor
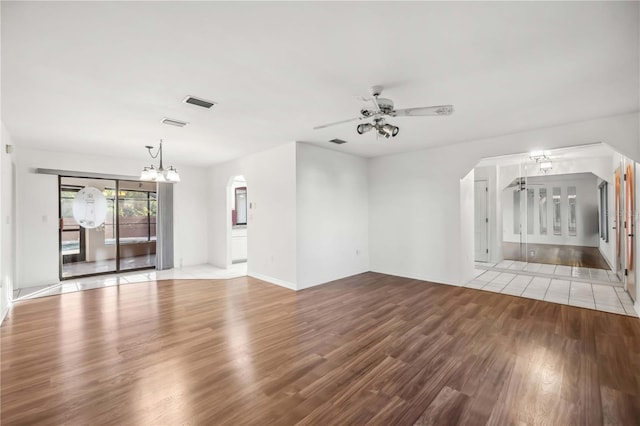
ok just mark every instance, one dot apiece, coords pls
pixel 370 349
pixel 588 257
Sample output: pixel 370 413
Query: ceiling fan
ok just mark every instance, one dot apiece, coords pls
pixel 522 184
pixel 384 107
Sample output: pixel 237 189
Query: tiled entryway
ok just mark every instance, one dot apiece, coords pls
pixel 599 276
pixel 575 286
pixel 88 283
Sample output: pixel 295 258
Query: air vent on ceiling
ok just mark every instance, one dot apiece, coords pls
pixel 337 141
pixel 173 122
pixel 199 102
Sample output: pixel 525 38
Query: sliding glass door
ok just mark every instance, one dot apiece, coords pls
pixel 137 205
pixel 106 226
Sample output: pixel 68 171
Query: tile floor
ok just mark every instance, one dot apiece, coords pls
pixel 88 283
pixel 564 289
pixel 83 268
pixel 597 276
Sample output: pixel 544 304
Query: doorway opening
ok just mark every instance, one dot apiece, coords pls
pixel 239 207
pixel 557 225
pixel 106 226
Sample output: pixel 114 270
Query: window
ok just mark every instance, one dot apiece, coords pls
pixel 137 211
pixel 604 211
pixel 71 238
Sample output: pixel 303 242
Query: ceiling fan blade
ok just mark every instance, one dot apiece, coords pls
pixel 339 122
pixel 372 101
pixel 431 110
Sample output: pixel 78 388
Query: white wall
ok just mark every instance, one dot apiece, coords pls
pixel 414 215
pixel 332 215
pixel 467 223
pixel 586 211
pixel 7 222
pixel 190 217
pixel 271 224
pixel 423 189
pixel 37 210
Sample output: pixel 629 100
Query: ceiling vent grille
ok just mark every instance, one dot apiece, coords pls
pixel 199 102
pixel 173 122
pixel 337 141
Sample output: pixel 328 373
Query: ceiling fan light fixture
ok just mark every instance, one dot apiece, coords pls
pixel 363 128
pixel 390 130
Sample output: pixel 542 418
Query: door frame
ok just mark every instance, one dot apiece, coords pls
pixel 629 221
pixel 117 232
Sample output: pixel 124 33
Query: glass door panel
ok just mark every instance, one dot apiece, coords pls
pixel 136 223
pixel 84 249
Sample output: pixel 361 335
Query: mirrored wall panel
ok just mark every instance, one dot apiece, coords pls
pixel 557 212
pixel 571 197
pixel 604 211
pixel 542 209
pixel 530 215
pixel 516 211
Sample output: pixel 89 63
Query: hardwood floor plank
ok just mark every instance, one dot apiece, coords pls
pixel 445 409
pixel 588 257
pixel 368 349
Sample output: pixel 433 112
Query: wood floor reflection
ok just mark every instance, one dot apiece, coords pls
pixel 370 349
pixel 588 257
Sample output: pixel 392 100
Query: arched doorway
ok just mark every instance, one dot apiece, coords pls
pixel 237 223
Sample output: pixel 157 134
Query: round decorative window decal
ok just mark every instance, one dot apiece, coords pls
pixel 90 207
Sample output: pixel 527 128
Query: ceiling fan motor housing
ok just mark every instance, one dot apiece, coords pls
pixel 386 106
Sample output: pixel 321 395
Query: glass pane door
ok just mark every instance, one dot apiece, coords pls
pixel 136 221
pixel 524 211
pixel 85 246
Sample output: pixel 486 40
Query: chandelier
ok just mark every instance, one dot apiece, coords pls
pixel 169 175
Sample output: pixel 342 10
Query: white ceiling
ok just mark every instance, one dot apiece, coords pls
pixel 98 77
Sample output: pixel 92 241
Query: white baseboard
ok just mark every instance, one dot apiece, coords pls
pixel 281 283
pixel 636 306
pixel 421 278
